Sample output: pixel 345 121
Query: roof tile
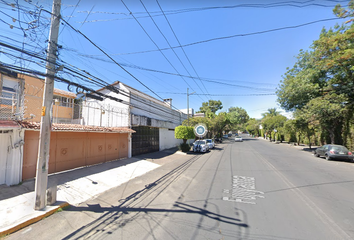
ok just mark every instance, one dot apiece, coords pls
pixel 76 127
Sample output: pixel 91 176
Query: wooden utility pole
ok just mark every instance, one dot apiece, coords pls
pixel 46 125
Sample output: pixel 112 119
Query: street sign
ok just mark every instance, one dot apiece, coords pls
pixel 200 130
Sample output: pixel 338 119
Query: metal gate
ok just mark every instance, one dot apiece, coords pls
pixel 145 140
pixel 4 149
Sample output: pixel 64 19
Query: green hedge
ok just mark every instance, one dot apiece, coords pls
pixel 184 147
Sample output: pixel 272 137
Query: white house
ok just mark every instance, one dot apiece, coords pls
pixel 153 120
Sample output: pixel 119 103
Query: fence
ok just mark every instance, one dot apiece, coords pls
pixel 104 115
pixel 65 110
pixel 10 105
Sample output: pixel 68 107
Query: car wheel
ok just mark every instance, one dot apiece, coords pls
pixel 327 157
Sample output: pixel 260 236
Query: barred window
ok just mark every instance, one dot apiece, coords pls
pixel 63 101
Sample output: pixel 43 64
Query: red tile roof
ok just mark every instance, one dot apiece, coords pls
pixel 76 127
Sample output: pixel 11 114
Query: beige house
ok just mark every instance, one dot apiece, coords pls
pixel 21 98
pixel 71 145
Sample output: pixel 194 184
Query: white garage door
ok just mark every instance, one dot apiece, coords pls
pixel 4 143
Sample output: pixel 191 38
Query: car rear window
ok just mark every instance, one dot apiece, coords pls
pixel 339 148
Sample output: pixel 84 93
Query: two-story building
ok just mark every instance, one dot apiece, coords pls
pixel 72 145
pixel 153 120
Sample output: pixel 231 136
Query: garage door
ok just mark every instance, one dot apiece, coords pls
pixel 4 143
pixel 145 140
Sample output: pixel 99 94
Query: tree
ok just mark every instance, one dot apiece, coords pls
pixel 344 13
pixel 210 107
pixel 238 115
pixel 272 112
pixel 196 120
pixel 252 126
pixel 271 123
pixel 290 130
pixel 329 111
pixel 301 83
pixel 184 132
pixel 220 123
pixel 321 83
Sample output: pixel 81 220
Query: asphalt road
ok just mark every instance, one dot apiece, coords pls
pixel 239 190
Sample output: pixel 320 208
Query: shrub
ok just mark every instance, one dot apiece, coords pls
pixel 184 132
pixel 184 147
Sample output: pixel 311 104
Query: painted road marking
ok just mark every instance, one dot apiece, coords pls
pixel 243 190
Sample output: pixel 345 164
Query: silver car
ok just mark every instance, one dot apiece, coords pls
pixel 335 152
pixel 238 139
pixel 200 146
pixel 211 143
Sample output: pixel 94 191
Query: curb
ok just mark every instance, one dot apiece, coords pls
pixel 33 220
pixel 181 153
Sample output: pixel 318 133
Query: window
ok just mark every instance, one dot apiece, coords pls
pixel 9 92
pixel 63 101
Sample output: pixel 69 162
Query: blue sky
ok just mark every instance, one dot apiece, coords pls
pixel 240 71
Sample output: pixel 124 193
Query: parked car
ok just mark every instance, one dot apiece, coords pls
pixel 335 152
pixel 218 140
pixel 211 143
pixel 200 146
pixel 225 136
pixel 238 139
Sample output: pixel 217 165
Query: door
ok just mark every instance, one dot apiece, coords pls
pixel 4 145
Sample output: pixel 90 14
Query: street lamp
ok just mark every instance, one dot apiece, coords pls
pixel 188 104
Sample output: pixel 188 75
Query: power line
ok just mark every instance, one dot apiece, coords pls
pixel 170 44
pixel 99 82
pixel 88 39
pixel 89 90
pixel 226 95
pixel 104 83
pixel 156 45
pixel 295 4
pixel 169 24
pixel 169 73
pixel 236 35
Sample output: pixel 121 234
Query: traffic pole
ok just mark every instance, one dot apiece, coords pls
pixel 45 130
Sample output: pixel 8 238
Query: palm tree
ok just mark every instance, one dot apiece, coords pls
pixel 272 112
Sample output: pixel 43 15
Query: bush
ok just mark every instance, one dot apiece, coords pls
pixel 184 132
pixel 184 147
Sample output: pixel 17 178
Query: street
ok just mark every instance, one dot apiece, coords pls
pixel 240 190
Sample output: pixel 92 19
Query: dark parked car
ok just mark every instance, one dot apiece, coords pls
pixel 218 140
pixel 335 152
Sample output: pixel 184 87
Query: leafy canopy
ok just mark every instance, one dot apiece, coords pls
pixel 184 132
pixel 210 107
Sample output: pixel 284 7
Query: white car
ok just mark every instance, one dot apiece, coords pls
pixel 238 139
pixel 200 146
pixel 211 143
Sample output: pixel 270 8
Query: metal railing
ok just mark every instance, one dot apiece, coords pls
pixel 10 108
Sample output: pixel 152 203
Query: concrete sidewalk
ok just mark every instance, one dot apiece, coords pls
pixel 73 187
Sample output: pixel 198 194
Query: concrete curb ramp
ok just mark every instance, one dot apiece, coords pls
pixel 30 221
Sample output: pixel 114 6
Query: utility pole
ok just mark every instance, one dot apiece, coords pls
pixel 46 125
pixel 188 104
